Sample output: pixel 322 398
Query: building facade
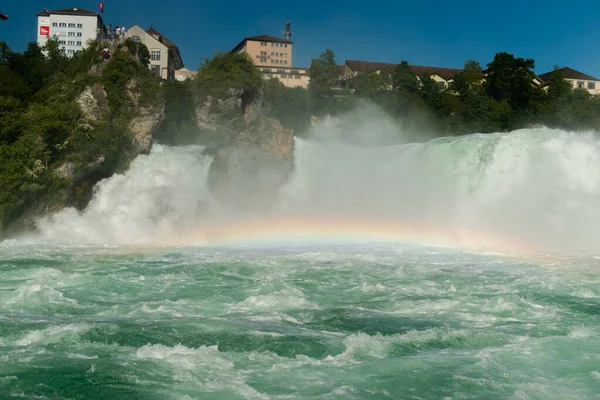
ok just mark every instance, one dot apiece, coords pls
pixel 73 27
pixel 165 58
pixel 576 79
pixel 274 58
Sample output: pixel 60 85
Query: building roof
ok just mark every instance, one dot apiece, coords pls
pixel 185 71
pixel 368 66
pixel 262 38
pixel 68 11
pixel 173 49
pixel 160 37
pixel 569 73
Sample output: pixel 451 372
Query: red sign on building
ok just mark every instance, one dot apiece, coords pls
pixel 44 30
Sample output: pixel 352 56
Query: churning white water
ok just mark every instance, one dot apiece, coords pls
pixel 538 186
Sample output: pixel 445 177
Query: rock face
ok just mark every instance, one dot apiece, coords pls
pixel 146 119
pixel 208 110
pixel 94 103
pixel 142 126
pixel 247 173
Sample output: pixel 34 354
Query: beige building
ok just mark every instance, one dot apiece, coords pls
pixel 273 56
pixel 73 27
pixel 576 79
pixel 184 74
pixel 351 68
pixel 165 58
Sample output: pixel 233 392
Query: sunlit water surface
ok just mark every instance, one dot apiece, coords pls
pixel 367 321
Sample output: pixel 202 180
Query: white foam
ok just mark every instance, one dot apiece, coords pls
pixel 539 187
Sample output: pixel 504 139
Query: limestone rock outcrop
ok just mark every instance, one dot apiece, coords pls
pixel 248 171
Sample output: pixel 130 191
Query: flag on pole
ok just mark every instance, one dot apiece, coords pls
pixel 101 7
pixel 3 17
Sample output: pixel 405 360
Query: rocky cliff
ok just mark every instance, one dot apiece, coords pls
pixel 81 134
pixel 255 155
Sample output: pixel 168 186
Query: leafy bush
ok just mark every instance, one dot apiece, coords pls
pixel 226 71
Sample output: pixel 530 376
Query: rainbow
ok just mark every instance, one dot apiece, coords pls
pixel 281 230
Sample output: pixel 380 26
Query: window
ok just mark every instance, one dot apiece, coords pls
pixel 285 61
pixel 283 75
pixel 80 25
pixel 272 44
pixel 61 42
pixel 297 76
pixel 272 53
pixel 71 42
pixel 276 54
pixel 136 39
pixel 54 24
pixel 442 85
pixel 272 61
pixel 580 84
pixel 280 71
pixel 285 45
pixel 591 85
pixel 71 25
pixel 71 51
pixel 71 33
pixel 156 70
pixel 62 24
pixel 79 34
pixel 78 43
pixel 155 55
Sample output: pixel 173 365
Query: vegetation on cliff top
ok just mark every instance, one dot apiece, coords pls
pixel 47 144
pixel 506 100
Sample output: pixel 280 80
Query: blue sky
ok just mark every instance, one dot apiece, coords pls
pixel 435 33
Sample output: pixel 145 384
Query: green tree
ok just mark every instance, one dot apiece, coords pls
pixel 372 85
pixel 324 74
pixel 179 125
pixel 288 105
pixel 512 79
pixel 405 79
pixel 431 95
pixel 228 71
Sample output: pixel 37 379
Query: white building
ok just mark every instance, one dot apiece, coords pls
pixel 73 27
pixel 165 58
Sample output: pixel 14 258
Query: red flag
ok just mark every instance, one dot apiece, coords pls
pixel 101 6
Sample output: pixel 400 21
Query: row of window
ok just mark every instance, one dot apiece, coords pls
pixel 283 71
pixel 581 84
pixel 273 44
pixel 64 25
pixel 273 54
pixel 72 34
pixel 70 42
pixel 284 76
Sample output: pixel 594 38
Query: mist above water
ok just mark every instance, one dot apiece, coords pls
pixel 539 187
